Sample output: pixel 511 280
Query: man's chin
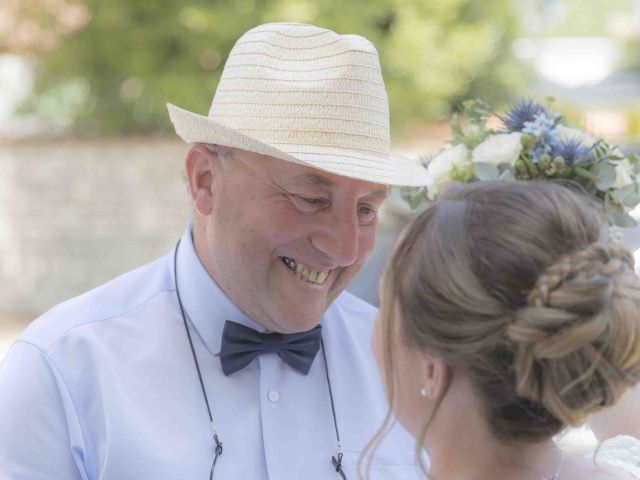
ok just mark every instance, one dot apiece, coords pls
pixel 299 313
pixel 301 325
pixel 295 320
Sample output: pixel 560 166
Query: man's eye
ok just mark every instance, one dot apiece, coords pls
pixel 309 204
pixel 367 214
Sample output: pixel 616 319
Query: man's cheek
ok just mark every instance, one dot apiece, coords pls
pixel 367 242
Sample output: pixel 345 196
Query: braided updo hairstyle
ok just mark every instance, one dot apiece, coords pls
pixel 518 284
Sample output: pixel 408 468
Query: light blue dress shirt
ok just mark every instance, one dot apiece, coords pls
pixel 104 386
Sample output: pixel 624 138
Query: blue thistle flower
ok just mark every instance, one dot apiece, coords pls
pixel 570 150
pixel 521 113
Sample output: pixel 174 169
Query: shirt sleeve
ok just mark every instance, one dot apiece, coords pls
pixel 40 436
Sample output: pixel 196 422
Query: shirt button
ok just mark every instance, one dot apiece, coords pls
pixel 274 396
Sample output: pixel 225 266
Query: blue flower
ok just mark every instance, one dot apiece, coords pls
pixel 539 151
pixel 571 150
pixel 521 113
pixel 539 126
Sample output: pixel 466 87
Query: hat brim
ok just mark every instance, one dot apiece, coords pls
pixel 396 170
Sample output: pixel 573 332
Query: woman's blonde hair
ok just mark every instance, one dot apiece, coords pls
pixel 517 284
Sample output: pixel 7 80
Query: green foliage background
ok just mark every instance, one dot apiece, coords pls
pixel 116 74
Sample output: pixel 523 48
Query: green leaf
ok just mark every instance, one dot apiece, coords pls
pixel 617 216
pixel 487 171
pixel 414 202
pixel 606 174
pixel 586 174
pixel 414 196
pixel 625 191
pixel 631 200
pixel 456 128
pixel 507 174
pixel 475 110
pixel 600 146
pixel 504 167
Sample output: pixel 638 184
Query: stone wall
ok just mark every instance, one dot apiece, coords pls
pixel 74 214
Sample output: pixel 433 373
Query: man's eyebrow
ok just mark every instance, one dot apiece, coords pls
pixel 316 180
pixel 380 193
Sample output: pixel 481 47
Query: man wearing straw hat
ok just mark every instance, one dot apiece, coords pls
pixel 238 355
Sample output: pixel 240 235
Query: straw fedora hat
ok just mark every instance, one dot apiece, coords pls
pixel 306 95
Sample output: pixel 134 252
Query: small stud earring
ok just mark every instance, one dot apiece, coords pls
pixel 423 392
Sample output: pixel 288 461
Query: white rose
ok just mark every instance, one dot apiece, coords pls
pixel 567 133
pixel 498 149
pixel 624 174
pixel 440 167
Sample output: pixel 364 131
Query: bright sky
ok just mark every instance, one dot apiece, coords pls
pixel 571 62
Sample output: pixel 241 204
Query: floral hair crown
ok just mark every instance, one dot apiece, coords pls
pixel 533 143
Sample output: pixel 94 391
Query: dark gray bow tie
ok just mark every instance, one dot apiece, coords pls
pixel 241 345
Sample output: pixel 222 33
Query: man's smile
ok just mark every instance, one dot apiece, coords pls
pixel 305 272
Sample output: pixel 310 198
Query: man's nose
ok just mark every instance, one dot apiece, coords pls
pixel 339 238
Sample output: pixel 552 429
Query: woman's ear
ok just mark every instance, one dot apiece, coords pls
pixel 435 376
pixel 200 167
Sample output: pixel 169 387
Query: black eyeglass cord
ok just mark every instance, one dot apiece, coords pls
pixel 218 444
pixel 336 461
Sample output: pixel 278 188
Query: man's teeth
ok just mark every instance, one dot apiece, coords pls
pixel 304 272
pixel 289 263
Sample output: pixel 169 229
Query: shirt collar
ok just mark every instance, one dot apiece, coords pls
pixel 205 305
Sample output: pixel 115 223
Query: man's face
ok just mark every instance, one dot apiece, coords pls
pixel 283 240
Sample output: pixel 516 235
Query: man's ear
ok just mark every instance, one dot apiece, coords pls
pixel 201 167
pixel 435 375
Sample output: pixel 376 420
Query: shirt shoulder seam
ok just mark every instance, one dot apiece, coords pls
pixel 53 365
pixel 90 322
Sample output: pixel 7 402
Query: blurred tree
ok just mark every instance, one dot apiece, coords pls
pixel 28 26
pixel 618 20
pixel 115 74
pixel 576 18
